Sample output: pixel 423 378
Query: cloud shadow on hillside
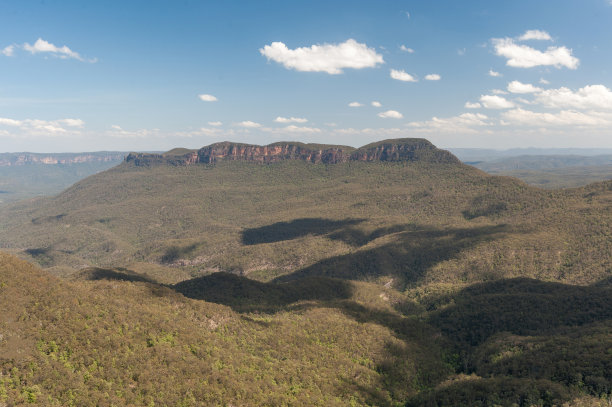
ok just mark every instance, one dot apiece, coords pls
pixel 281 231
pixel 410 253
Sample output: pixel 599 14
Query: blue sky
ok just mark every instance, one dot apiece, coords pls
pixel 153 75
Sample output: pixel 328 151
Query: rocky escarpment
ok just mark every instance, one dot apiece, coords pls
pixel 388 150
pixel 17 159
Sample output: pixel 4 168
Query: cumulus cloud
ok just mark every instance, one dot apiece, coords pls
pixel 402 76
pixel 355 104
pixel 376 104
pixel 406 49
pixel 63 52
pixel 470 105
pixel 495 102
pixel 330 58
pixel 432 77
pixel 248 124
pixel 494 74
pixel 216 124
pixel 390 114
pixel 280 119
pixel 462 123
pixel 588 97
pixel 563 118
pixel 523 56
pixel 8 51
pixel 535 35
pixel 207 98
pixel 519 87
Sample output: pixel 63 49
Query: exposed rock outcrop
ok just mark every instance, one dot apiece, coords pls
pixel 17 159
pixel 388 150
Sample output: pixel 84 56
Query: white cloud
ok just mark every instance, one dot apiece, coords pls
pixel 248 124
pixel 522 56
pixel 499 92
pixel 72 122
pixel 298 129
pixel 470 105
pixel 207 98
pixel 376 104
pixel 8 51
pixel 390 114
pixel 280 119
pixel 42 46
pixel 402 76
pixel 355 104
pixel 524 101
pixel 519 87
pixel 118 132
pixel 216 124
pixel 10 122
pixel 495 102
pixel 535 35
pixel 563 118
pixel 461 52
pixel 588 97
pixel 463 123
pixel 38 127
pixel 330 58
pixel 406 49
pixel 432 77
pixel 494 74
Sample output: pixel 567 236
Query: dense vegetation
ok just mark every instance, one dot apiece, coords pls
pixel 301 284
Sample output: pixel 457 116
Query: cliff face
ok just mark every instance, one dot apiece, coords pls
pixel 271 153
pixel 388 150
pixel 16 159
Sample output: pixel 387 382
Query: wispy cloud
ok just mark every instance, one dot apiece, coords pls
pixel 535 35
pixel 8 51
pixel 280 119
pixel 402 76
pixel 207 98
pixel 494 74
pixel 406 49
pixel 390 114
pixel 248 124
pixel 433 77
pixel 45 47
pixel 519 87
pixel 464 123
pixel 355 104
pixel 39 127
pixel 329 58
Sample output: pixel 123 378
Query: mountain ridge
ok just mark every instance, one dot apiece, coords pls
pixel 404 149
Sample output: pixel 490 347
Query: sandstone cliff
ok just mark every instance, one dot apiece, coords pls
pixel 17 159
pixel 387 150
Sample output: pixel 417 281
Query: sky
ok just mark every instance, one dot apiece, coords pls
pixel 155 75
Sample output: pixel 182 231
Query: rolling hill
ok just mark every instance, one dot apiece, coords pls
pixel 392 271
